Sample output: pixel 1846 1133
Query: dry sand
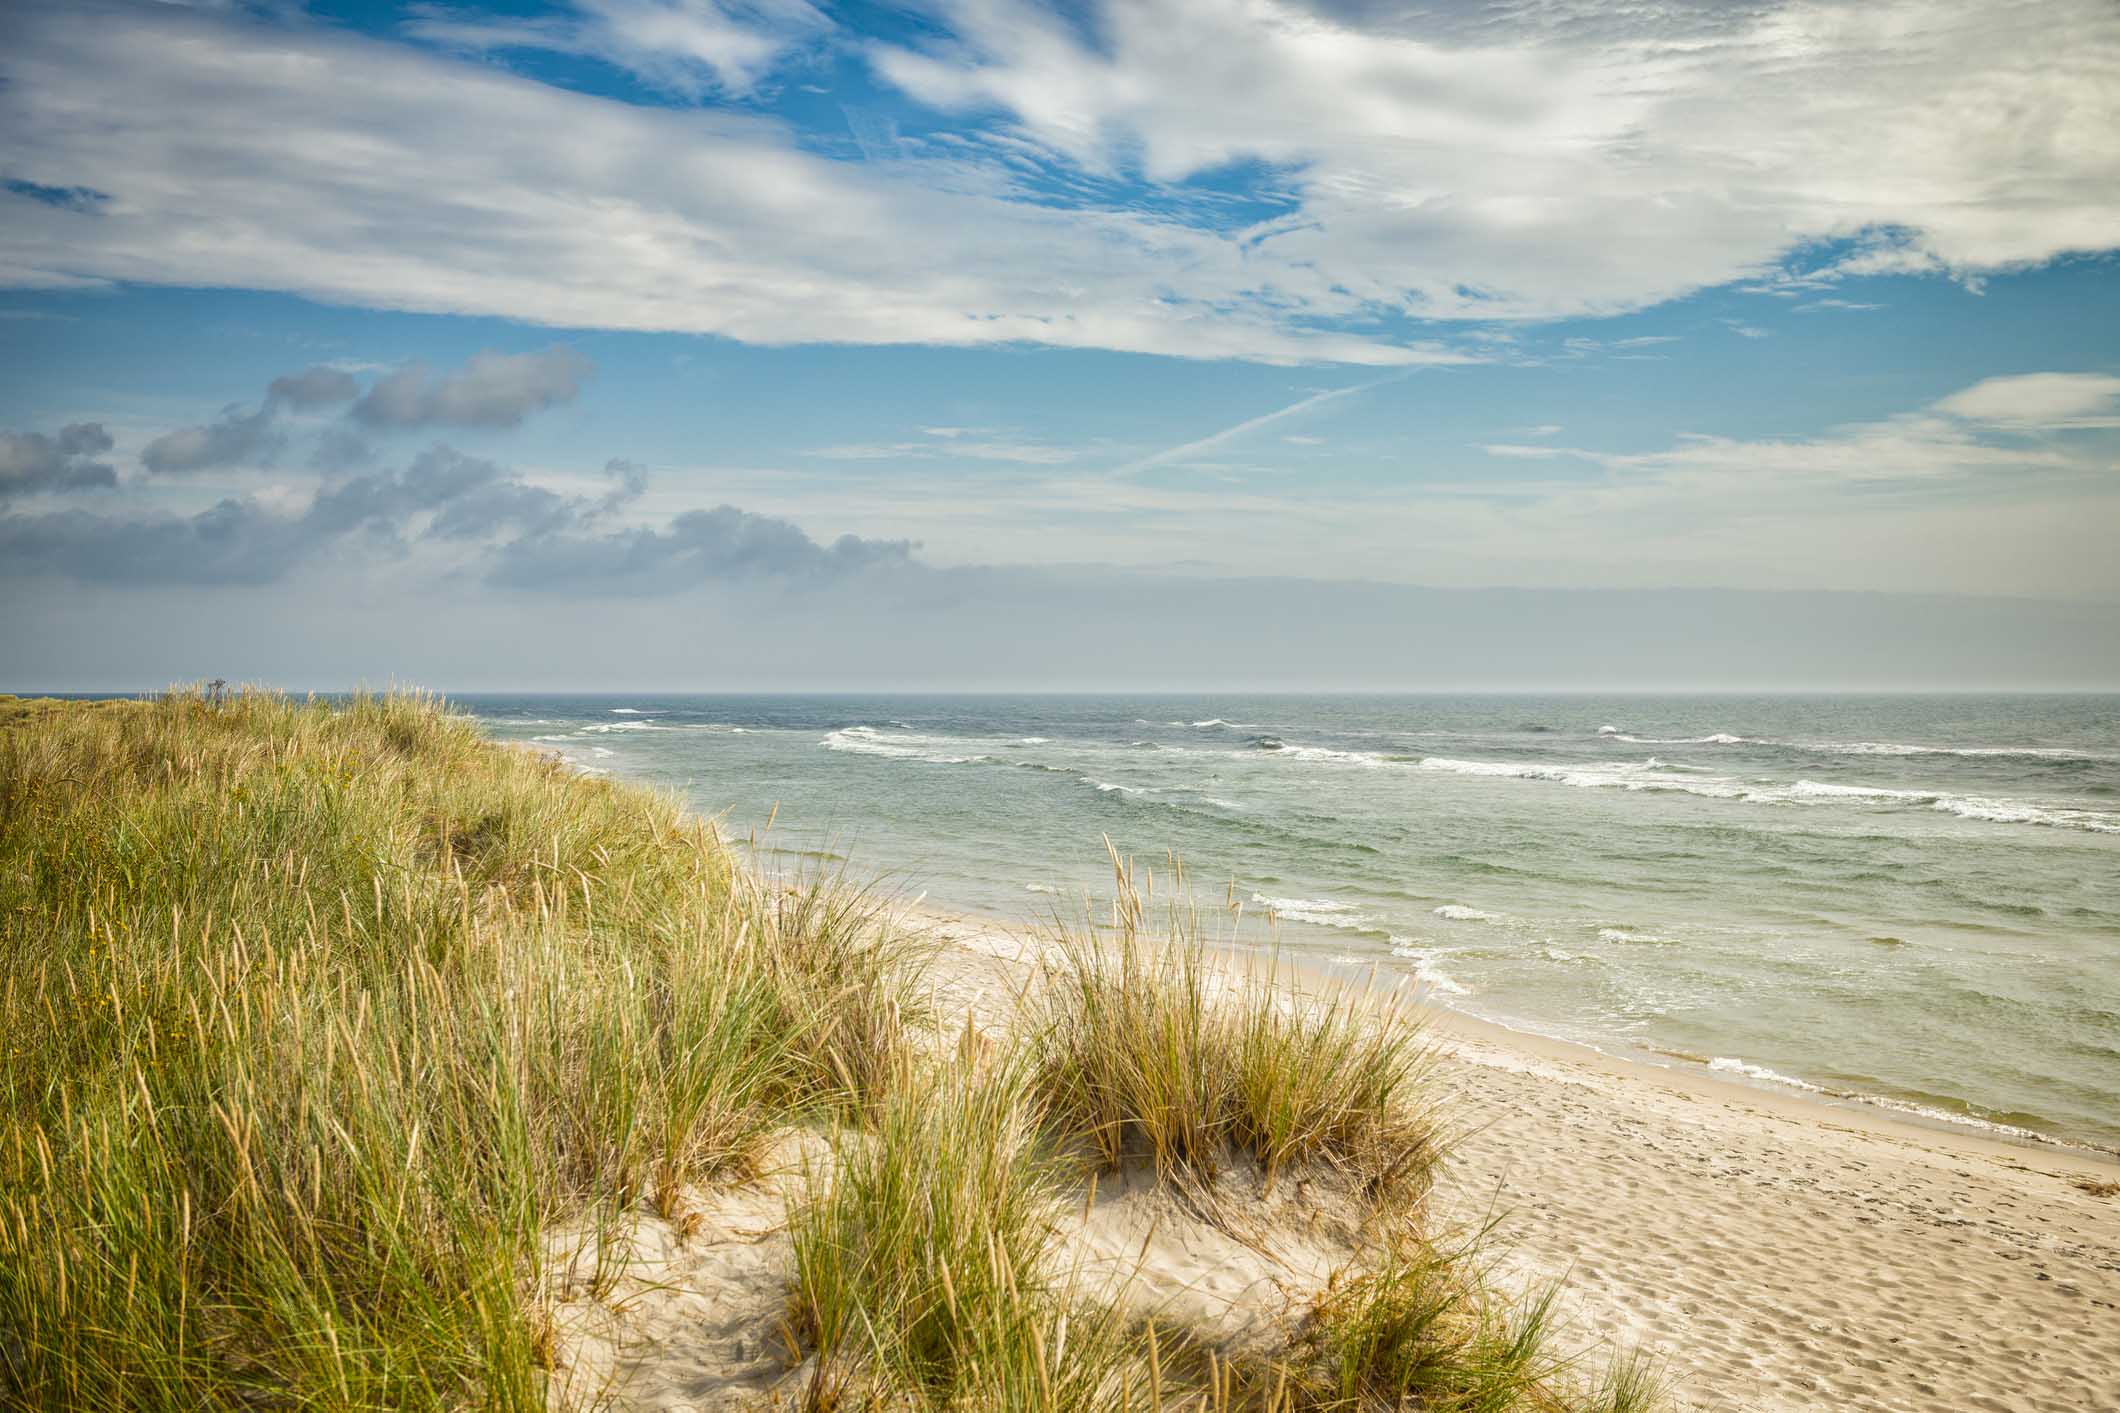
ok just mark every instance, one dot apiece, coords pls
pixel 1775 1253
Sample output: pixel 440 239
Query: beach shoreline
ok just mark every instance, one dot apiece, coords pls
pixel 1774 1251
pixel 1514 1040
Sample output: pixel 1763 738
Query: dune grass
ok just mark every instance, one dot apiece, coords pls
pixel 923 1277
pixel 1144 1049
pixel 317 1016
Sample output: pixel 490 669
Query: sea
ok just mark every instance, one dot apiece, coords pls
pixel 1905 902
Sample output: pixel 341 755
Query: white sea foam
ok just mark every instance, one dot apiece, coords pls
pixel 603 726
pixel 1608 730
pixel 1991 811
pixel 1106 787
pixel 1824 790
pixel 1034 741
pixel 1621 934
pixel 1607 776
pixel 867 741
pixel 1424 968
pixel 1654 776
pixel 1897 748
pixel 1458 912
pixel 2012 812
pixel 1320 753
pixel 1039 888
pixel 1323 912
pixel 633 711
pixel 1727 1065
pixel 1719 738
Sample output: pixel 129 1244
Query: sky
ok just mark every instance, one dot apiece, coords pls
pixel 975 344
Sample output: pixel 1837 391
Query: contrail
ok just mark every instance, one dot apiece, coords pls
pixel 1216 439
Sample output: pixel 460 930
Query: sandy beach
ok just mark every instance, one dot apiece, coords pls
pixel 1775 1253
pixel 1769 1252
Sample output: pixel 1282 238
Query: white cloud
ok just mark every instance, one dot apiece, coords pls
pixel 1562 159
pixel 686 47
pixel 1579 158
pixel 2041 401
pixel 352 170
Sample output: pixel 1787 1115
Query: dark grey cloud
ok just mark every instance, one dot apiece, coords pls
pixel 341 448
pixel 492 390
pixel 32 461
pixel 236 440
pixel 629 480
pixel 699 546
pixel 319 386
pixel 236 542
pixel 534 538
pixel 469 497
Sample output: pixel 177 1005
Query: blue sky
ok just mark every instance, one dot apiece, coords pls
pixel 1777 300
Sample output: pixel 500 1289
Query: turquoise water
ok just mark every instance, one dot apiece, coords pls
pixel 1915 901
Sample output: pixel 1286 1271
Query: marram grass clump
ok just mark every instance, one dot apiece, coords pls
pixel 316 1016
pixel 1145 1049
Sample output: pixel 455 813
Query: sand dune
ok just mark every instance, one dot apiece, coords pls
pixel 1776 1254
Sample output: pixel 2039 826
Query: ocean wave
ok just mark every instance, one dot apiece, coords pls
pixel 867 741
pixel 603 726
pixel 1627 776
pixel 1424 968
pixel 1724 1064
pixel 1896 748
pixel 1621 934
pixel 1457 912
pixel 634 711
pixel 1991 811
pixel 1589 776
pixel 1323 912
pixel 1319 753
pixel 1039 888
pixel 2011 812
pixel 1867 748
